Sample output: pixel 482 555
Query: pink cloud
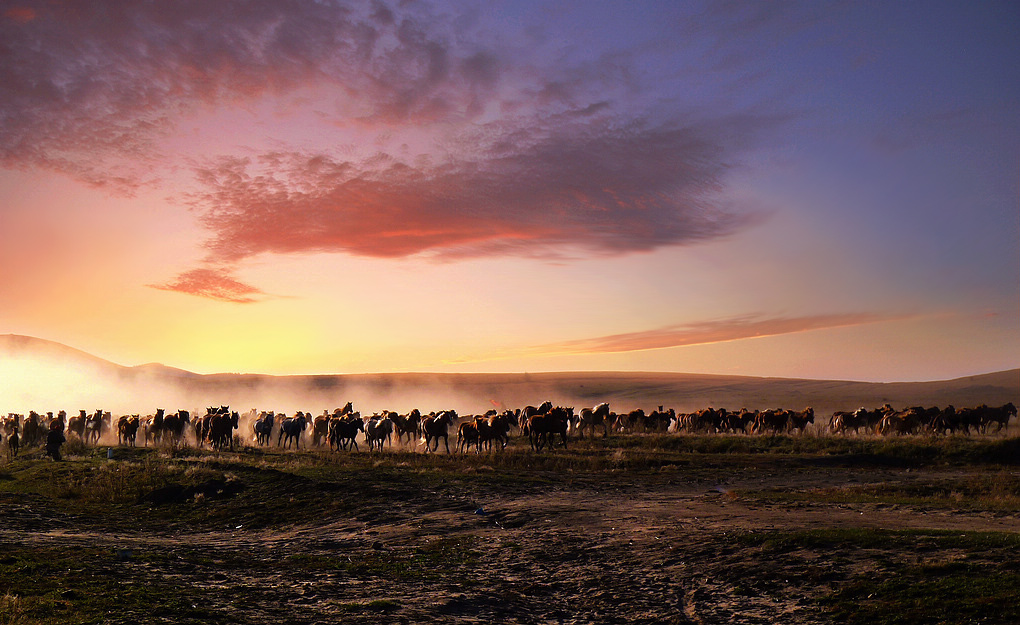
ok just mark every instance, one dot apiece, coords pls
pixel 716 331
pixel 561 191
pixel 535 157
pixel 700 333
pixel 214 284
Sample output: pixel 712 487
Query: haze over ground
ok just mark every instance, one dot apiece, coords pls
pixel 46 376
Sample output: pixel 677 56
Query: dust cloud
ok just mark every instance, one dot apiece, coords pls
pixel 51 382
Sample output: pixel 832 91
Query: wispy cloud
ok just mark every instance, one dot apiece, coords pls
pixel 215 284
pixel 699 333
pixel 89 89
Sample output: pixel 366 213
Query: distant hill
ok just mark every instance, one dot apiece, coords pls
pixel 66 378
pixel 18 346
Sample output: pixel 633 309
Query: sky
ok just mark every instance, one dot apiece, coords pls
pixel 822 190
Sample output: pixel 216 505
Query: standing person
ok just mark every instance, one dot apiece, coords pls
pixel 54 440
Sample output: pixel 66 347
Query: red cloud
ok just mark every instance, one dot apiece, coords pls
pixel 567 190
pixel 91 89
pixel 20 15
pixel 214 284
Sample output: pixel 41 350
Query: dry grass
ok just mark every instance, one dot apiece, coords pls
pixel 12 612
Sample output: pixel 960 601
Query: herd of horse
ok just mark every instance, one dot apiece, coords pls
pixel 544 426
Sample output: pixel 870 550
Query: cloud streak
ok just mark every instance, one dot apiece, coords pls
pixel 699 333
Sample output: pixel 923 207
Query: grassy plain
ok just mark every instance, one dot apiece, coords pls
pixel 630 529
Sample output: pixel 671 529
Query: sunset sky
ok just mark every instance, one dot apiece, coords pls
pixel 816 189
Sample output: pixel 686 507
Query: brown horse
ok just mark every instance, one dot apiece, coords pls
pixel 498 430
pixel 76 425
pixel 94 426
pixel 343 431
pixel 468 434
pixel 173 426
pixel 221 430
pixel 378 431
pixel 529 411
pixel 408 425
pixel 438 426
pixel 592 418
pixel 11 425
pixel 32 431
pixel 542 428
pixel 320 429
pixel 127 430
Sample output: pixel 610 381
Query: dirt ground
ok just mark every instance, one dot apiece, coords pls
pixel 660 547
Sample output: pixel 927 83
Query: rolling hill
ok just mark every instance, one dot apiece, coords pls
pixel 44 375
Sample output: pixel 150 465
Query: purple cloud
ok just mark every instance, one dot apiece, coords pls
pixel 89 89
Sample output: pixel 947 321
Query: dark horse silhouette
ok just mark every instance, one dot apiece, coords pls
pixel 291 428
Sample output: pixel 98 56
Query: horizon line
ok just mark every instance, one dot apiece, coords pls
pixel 493 373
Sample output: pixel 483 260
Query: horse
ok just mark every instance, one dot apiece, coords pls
pixel 13 440
pixel 800 420
pixel 438 426
pixel 320 428
pixel 999 416
pixel 407 425
pixel 173 425
pixel 529 411
pixel 153 428
pixel 771 421
pixel 221 429
pixel 542 428
pixel 76 425
pixel 127 430
pixel 594 417
pixel 498 430
pixel 32 430
pixel 343 431
pixel 291 428
pixel 378 431
pixel 468 435
pixel 93 427
pixel 263 428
